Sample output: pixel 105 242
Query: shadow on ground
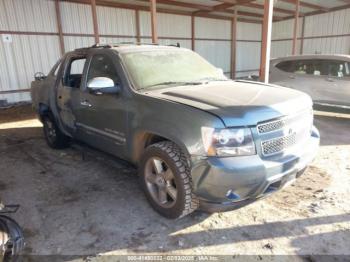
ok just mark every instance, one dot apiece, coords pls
pixel 333 130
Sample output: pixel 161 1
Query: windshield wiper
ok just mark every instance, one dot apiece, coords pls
pixel 208 79
pixel 175 83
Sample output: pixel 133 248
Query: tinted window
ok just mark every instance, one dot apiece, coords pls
pixel 337 68
pixel 74 72
pixel 309 67
pixel 102 66
pixel 286 66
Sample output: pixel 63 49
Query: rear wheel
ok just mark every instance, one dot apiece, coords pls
pixel 166 180
pixel 53 135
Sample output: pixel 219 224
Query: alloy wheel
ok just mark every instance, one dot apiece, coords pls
pixel 160 182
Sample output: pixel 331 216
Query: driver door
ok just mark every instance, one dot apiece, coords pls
pixel 101 117
pixel 68 91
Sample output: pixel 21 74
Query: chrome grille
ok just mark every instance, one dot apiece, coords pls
pixel 271 126
pixel 281 134
pixel 276 145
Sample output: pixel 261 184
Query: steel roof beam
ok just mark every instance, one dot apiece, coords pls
pixel 308 5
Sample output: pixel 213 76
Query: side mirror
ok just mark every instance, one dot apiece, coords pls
pixel 39 76
pixel 102 85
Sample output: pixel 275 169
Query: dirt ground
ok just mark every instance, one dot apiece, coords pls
pixel 90 204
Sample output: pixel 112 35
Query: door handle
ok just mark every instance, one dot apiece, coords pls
pixel 330 79
pixel 292 77
pixel 85 103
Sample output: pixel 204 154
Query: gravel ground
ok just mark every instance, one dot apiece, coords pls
pixel 82 202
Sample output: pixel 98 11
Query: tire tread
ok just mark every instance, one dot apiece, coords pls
pixel 180 160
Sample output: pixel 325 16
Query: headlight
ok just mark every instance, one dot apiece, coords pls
pixel 228 141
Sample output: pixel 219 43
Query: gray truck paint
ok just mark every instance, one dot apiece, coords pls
pixel 123 124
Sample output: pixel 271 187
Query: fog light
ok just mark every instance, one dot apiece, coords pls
pixel 232 196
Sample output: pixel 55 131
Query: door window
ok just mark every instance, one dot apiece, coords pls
pixel 102 66
pixel 337 69
pixel 74 72
pixel 309 67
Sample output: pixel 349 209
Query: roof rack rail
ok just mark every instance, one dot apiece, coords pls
pixel 119 44
pixel 140 43
pixel 93 46
pixel 133 43
pixel 98 45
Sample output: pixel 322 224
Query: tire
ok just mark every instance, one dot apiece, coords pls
pixel 163 168
pixel 53 135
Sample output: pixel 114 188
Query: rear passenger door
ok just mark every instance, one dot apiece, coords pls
pixel 68 91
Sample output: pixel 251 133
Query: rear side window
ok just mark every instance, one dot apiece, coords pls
pixel 286 66
pixel 74 72
pixel 337 68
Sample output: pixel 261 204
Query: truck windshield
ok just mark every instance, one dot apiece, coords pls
pixel 160 68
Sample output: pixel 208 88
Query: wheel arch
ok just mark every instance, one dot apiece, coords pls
pixel 146 138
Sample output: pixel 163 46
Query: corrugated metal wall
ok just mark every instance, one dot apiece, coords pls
pixel 213 41
pixel 26 54
pixel 282 34
pixel 248 49
pixel 172 29
pixel 114 22
pixel 322 34
pixel 331 24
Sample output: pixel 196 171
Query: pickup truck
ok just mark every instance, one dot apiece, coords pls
pixel 199 139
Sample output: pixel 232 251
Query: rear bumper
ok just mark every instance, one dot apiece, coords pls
pixel 228 183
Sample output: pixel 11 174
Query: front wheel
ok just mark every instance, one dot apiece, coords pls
pixel 166 180
pixel 53 135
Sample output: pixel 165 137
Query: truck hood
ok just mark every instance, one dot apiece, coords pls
pixel 238 103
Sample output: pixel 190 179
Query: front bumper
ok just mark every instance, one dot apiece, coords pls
pixel 228 183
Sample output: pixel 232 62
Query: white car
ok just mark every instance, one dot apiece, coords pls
pixel 326 78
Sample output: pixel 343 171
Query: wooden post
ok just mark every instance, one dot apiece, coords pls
pixel 59 26
pixel 266 41
pixel 137 21
pixel 296 24
pixel 193 32
pixel 153 9
pixel 233 44
pixel 94 20
pixel 302 36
